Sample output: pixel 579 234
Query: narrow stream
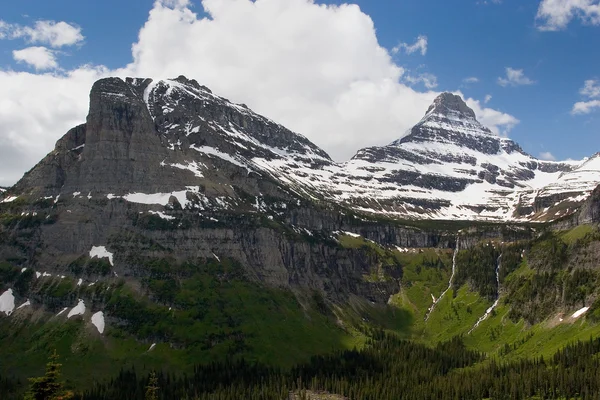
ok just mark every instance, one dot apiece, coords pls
pixel 435 301
pixel 489 310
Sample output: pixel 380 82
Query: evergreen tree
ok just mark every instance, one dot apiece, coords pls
pixel 152 388
pixel 49 386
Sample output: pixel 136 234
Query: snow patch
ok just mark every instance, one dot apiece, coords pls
pixel 101 252
pixel 27 303
pixel 98 321
pixel 152 346
pixel 9 199
pixel 580 312
pixel 162 215
pixel 79 309
pixel 7 302
pixel 62 311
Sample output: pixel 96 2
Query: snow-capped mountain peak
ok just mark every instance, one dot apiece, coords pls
pixel 172 138
pixel 450 106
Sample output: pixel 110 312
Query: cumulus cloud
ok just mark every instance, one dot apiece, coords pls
pixel 52 33
pixel 487 98
pixel 428 80
pixel 37 109
pixel 500 123
pixel 419 45
pixel 585 107
pixel 40 58
pixel 317 69
pixel 471 79
pixel 590 90
pixel 546 155
pixel 514 77
pixel 554 15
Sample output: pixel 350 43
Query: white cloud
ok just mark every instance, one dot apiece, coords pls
pixel 471 79
pixel 500 123
pixel 514 77
pixel 554 15
pixel 36 110
pixel 546 155
pixel 591 88
pixel 585 107
pixel 41 58
pixel 54 34
pixel 317 69
pixel 428 80
pixel 487 98
pixel 419 45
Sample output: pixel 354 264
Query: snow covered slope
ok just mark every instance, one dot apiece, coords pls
pixel 183 144
pixel 449 166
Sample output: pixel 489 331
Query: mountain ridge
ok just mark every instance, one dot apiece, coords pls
pixel 448 167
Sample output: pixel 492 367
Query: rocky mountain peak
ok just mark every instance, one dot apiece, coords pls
pixel 451 106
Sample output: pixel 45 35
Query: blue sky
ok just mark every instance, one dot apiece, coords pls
pixel 470 38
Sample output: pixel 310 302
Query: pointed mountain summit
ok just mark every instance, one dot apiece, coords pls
pixel 451 106
pixel 449 165
pixel 450 120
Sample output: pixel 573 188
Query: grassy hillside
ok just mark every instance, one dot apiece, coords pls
pixel 208 311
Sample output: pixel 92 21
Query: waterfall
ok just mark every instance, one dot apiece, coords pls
pixel 489 310
pixel 430 309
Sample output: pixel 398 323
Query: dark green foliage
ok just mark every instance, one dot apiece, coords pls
pixel 9 387
pixel 90 266
pixel 154 223
pixel 512 257
pixel 23 282
pixel 49 386
pixel 98 266
pixel 387 369
pixel 477 267
pixel 548 253
pixel 533 297
pixel 8 273
pixel 76 267
pixel 578 285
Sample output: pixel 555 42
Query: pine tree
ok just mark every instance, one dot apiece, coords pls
pixel 152 388
pixel 49 386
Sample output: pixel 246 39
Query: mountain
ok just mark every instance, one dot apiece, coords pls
pixel 176 227
pixel 447 167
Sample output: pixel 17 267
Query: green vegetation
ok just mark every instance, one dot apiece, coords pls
pixel 206 316
pixel 49 386
pixel 387 368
